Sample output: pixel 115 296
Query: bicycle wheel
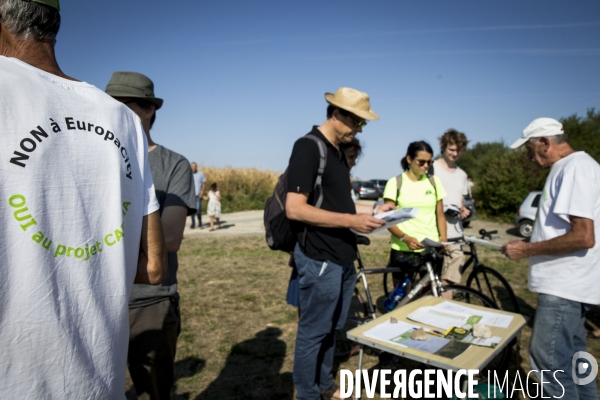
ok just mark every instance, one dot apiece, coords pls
pixel 492 284
pixel 471 296
pixel 357 315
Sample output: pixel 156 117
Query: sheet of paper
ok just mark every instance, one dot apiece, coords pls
pixel 394 217
pixel 488 318
pixel 489 342
pixel 399 334
pixel 482 242
pixel 443 319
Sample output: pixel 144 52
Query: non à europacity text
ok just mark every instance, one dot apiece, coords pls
pixel 37 135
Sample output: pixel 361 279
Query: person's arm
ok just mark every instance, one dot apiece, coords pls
pixel 368 209
pixel 173 223
pixel 410 241
pixel 581 237
pixel 441 221
pixel 218 194
pixel 201 193
pixel 152 260
pixel 298 209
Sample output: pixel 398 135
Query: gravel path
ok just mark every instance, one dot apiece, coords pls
pixel 251 223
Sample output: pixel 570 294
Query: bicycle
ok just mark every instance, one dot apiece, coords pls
pixel 482 278
pixel 365 310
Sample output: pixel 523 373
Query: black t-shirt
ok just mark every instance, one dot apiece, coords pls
pixel 334 244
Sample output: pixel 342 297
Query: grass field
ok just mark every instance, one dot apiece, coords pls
pixel 237 338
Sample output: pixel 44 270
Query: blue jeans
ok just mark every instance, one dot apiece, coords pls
pixel 325 294
pixel 558 333
pixel 198 212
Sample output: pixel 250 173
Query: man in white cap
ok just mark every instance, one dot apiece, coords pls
pixel 79 219
pixel 564 260
pixel 326 247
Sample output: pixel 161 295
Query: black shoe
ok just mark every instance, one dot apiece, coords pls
pixel 192 227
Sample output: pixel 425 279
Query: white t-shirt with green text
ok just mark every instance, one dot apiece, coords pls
pixel 74 187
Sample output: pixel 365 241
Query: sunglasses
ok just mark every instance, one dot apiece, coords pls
pixel 358 123
pixel 423 162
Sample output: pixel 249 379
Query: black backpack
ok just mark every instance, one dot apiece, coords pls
pixel 278 231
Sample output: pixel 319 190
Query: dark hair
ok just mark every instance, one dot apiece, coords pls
pixel 452 136
pixel 353 145
pixel 30 21
pixel 412 151
pixel 332 108
pixel 213 186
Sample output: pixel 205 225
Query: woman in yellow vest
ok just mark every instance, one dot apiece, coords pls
pixel 421 191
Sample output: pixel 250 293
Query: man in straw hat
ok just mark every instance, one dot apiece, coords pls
pixel 74 179
pixel 564 260
pixel 154 310
pixel 326 247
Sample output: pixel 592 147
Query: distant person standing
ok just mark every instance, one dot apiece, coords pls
pixel 470 186
pixel 564 257
pixel 199 183
pixel 154 310
pixel 454 180
pixel 213 209
pixel 79 221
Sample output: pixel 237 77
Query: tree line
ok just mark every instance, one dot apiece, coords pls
pixel 504 176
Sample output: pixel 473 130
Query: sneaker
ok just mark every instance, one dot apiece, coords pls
pixel 192 227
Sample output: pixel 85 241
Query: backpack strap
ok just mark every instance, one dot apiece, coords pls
pixel 398 186
pixel 322 164
pixel 319 181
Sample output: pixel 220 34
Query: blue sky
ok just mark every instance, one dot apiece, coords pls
pixel 242 80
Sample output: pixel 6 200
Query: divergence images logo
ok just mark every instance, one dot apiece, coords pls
pixel 583 367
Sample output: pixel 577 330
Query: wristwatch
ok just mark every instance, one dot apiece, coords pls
pixel 374 208
pixel 402 237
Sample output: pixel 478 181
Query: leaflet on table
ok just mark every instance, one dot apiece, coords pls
pixel 489 342
pixel 394 217
pixel 482 242
pixel 443 319
pixel 399 333
pixel 488 318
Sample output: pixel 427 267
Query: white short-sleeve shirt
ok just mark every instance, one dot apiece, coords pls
pixel 572 188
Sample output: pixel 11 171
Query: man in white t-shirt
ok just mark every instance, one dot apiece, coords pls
pixel 78 221
pixel 564 261
pixel 199 184
pixel 454 180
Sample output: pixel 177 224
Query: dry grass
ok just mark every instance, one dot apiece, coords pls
pixel 241 189
pixel 237 339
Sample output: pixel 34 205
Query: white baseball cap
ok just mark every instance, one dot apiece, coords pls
pixel 537 128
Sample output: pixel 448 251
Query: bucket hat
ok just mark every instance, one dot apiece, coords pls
pixel 537 128
pixel 50 3
pixel 132 84
pixel 352 100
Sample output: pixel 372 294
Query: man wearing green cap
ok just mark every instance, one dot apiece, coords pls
pixel 154 310
pixel 74 178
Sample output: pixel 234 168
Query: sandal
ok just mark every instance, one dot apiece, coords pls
pixel 328 394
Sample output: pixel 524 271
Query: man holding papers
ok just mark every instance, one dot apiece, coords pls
pixel 564 257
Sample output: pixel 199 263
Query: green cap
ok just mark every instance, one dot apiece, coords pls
pixel 50 3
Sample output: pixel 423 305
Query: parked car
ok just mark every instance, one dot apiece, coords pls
pixel 379 183
pixel 366 190
pixel 527 213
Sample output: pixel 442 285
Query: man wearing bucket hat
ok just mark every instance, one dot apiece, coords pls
pixel 564 257
pixel 326 247
pixel 67 266
pixel 154 310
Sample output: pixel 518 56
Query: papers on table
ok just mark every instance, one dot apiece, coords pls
pixel 482 242
pixel 488 318
pixel 399 333
pixel 490 342
pixel 395 217
pixel 446 315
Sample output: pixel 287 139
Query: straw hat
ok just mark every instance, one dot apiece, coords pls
pixel 132 84
pixel 352 100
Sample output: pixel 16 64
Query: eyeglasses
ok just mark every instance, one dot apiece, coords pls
pixel 358 123
pixel 423 162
